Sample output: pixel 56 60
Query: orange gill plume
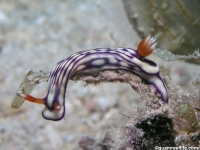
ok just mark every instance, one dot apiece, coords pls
pixel 146 46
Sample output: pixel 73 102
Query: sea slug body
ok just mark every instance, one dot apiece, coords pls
pixel 91 62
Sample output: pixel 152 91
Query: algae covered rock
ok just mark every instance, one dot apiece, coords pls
pixel 175 24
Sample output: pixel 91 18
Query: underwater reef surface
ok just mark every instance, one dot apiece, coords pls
pixel 175 24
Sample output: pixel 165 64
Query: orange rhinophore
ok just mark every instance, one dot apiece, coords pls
pixel 146 46
pixel 30 98
pixel 56 106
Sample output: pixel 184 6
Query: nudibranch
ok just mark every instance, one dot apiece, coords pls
pixel 91 62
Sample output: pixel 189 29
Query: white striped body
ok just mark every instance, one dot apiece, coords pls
pixel 92 62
